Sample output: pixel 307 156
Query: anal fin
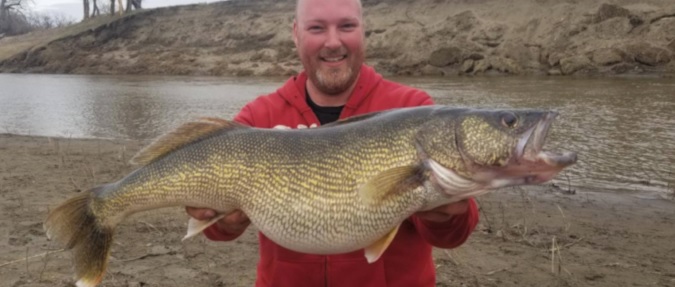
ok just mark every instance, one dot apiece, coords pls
pixel 196 226
pixel 375 250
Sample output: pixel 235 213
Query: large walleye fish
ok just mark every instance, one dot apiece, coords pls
pixel 333 189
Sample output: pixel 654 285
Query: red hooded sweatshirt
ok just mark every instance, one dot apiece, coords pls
pixel 407 261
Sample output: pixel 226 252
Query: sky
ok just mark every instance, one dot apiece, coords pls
pixel 73 8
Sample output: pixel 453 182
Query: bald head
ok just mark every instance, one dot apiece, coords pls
pixel 301 6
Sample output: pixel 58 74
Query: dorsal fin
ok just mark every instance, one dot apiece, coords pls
pixel 187 133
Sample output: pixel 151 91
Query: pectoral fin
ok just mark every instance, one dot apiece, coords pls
pixel 375 250
pixel 389 182
pixel 196 226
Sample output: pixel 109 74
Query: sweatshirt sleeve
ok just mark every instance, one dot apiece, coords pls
pixel 426 100
pixel 449 234
pixel 417 98
pixel 245 116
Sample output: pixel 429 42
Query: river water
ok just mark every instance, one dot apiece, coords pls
pixel 622 128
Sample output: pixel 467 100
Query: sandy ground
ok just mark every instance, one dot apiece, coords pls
pixel 534 236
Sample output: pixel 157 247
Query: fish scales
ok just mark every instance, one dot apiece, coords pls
pixel 332 189
pixel 280 169
pixel 327 174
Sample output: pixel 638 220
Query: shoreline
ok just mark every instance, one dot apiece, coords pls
pixel 598 239
pixel 561 188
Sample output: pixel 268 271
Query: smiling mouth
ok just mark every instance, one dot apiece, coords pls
pixel 334 59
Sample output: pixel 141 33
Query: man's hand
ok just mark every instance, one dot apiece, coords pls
pixel 233 223
pixel 443 213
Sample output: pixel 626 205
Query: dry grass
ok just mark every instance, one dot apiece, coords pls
pixel 671 191
pixel 10 46
pixel 528 230
pixel 670 185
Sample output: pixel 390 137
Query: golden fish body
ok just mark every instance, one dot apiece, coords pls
pixel 334 189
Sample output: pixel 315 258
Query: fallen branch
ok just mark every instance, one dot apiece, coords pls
pixel 452 258
pixel 152 227
pixel 496 271
pixel 148 255
pixel 31 257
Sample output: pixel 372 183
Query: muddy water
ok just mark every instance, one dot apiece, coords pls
pixel 623 128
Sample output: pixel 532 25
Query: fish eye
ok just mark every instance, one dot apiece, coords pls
pixel 509 120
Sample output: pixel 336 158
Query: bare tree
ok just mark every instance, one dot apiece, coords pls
pixel 7 5
pixel 3 12
pixel 7 8
pixel 109 7
pixel 133 4
pixel 47 21
pixel 104 7
pixel 85 5
pixel 96 11
pixel 17 18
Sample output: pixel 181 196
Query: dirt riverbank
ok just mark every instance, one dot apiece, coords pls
pixel 426 37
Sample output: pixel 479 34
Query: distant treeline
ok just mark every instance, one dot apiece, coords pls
pixel 16 18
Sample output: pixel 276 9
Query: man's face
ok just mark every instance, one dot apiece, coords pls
pixel 330 41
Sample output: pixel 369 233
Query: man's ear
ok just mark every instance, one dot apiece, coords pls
pixel 295 33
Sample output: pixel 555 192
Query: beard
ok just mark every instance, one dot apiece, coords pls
pixel 336 80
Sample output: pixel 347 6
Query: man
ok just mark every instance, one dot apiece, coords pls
pixel 329 36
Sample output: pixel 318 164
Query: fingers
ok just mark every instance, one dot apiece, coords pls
pixel 434 216
pixel 200 213
pixel 234 223
pixel 456 208
pixel 236 217
pixel 445 212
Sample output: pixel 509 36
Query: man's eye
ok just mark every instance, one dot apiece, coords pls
pixel 349 26
pixel 315 28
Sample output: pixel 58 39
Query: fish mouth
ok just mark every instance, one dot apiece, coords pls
pixel 530 162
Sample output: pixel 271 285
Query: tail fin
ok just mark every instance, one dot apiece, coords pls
pixel 74 224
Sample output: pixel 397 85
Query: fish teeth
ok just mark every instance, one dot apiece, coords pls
pixel 522 143
pixel 542 131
